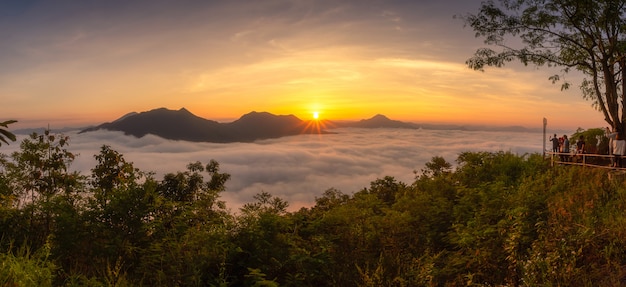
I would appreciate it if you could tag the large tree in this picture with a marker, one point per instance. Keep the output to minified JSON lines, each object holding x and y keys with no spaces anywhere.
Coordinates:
{"x":585,"y":35}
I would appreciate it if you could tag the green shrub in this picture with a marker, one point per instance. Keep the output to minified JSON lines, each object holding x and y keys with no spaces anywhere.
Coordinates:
{"x":26,"y":269}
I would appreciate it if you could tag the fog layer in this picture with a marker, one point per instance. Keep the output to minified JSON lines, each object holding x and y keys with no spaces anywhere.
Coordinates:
{"x":300,"y":168}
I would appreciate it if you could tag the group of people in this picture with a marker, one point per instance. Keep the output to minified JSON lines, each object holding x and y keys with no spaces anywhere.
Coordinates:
{"x":616,"y":148}
{"x":562,"y":145}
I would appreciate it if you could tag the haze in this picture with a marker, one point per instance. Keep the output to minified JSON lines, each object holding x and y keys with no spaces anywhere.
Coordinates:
{"x":73,"y":63}
{"x":300,"y":168}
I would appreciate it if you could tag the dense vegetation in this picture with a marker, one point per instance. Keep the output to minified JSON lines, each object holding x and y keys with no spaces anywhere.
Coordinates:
{"x":495,"y":219}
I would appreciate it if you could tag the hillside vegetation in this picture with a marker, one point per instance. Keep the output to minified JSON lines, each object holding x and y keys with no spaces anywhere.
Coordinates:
{"x":496,"y":219}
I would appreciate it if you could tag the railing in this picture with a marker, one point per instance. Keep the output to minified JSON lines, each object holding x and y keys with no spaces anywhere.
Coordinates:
{"x":585,"y":159}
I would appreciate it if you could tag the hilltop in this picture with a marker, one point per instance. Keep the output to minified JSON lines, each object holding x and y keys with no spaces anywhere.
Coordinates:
{"x":378,"y":121}
{"x":183,"y":125}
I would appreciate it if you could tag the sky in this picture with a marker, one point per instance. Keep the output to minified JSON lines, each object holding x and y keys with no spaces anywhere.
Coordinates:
{"x":73,"y":63}
{"x":299,"y":168}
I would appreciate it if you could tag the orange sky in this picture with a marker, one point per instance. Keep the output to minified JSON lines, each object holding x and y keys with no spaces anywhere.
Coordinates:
{"x":74,"y":63}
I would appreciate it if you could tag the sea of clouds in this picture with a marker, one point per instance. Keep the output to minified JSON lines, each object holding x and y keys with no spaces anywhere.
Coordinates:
{"x":300,"y":168}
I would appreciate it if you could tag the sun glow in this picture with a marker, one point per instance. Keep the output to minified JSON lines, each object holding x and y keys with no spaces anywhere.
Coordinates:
{"x":316,"y":125}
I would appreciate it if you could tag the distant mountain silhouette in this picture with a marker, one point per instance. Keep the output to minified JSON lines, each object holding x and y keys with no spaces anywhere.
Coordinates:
{"x":381,"y":121}
{"x":183,"y":125}
{"x":127,"y":115}
{"x":262,"y":125}
{"x":378,"y":121}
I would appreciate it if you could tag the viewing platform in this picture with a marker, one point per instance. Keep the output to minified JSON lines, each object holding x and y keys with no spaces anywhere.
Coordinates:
{"x":585,"y":160}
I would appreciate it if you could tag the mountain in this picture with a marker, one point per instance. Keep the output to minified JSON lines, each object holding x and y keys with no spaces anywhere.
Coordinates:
{"x":169,"y":124}
{"x":127,"y":115}
{"x":183,"y":125}
{"x":257,"y":125}
{"x":378,"y":121}
{"x":381,"y":121}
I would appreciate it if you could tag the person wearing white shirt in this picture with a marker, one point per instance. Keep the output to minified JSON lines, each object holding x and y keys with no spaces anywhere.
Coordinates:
{"x":619,"y":149}
{"x":611,"y":136}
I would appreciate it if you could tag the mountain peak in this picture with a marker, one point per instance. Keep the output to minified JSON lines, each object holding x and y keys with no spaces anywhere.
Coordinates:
{"x":126,"y":116}
{"x":255,"y":114}
{"x":185,"y":112}
{"x":380,"y":117}
{"x":183,"y":125}
{"x":265,"y":116}
{"x":380,"y":121}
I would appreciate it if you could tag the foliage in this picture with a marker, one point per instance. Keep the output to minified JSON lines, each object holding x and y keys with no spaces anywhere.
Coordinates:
{"x":26,"y":268}
{"x":4,"y":134}
{"x":38,"y":181}
{"x":495,"y":219}
{"x":586,"y":36}
{"x":595,"y":140}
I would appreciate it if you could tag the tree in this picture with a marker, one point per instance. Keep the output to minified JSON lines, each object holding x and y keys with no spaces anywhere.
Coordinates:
{"x":587,"y":36}
{"x":38,"y":179}
{"x":4,"y":134}
{"x":112,"y":173}
{"x":188,"y":230}
{"x":436,"y":167}
{"x":262,"y":237}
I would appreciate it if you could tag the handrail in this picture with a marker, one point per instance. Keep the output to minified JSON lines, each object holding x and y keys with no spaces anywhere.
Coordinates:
{"x":555,"y":158}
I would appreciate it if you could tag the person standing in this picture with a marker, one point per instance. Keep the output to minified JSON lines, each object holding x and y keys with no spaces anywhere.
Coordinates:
{"x":580,"y":145}
{"x":611,"y":136}
{"x":555,"y":143}
{"x":619,"y":149}
{"x":565,"y":150}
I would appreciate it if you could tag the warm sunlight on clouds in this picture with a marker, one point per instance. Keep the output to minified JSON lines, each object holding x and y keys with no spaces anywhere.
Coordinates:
{"x":77,"y":63}
{"x":356,"y":88}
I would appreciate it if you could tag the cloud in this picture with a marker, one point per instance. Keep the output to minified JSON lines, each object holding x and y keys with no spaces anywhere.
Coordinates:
{"x":94,"y":60}
{"x":300,"y":168}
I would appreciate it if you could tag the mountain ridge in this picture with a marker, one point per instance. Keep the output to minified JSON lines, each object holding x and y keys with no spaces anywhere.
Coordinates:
{"x":183,"y":125}
{"x":253,"y":126}
{"x":378,"y":121}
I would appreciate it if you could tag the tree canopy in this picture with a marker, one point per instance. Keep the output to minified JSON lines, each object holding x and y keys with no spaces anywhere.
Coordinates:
{"x":583,"y":35}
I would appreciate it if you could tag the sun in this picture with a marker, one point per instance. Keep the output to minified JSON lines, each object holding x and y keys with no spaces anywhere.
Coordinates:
{"x":315,"y":125}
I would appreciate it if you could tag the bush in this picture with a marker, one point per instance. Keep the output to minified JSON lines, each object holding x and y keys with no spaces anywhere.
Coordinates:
{"x":26,"y":269}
